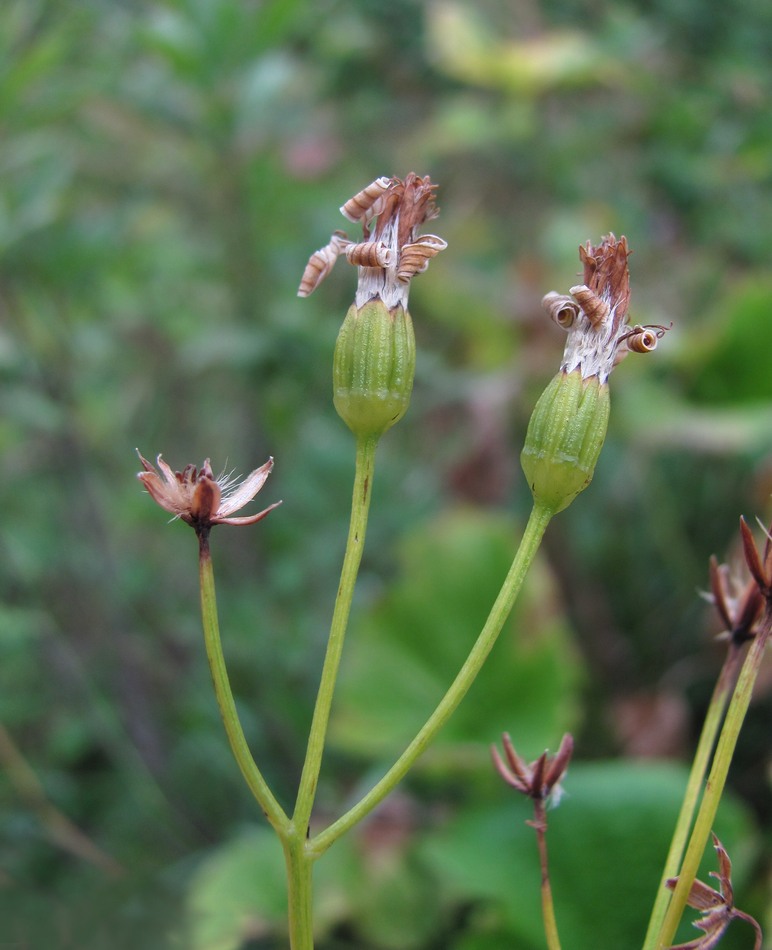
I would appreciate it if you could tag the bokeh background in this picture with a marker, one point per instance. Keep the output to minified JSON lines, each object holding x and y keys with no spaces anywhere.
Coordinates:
{"x":166,"y":168}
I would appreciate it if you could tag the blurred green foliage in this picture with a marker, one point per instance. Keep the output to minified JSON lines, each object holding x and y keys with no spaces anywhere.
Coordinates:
{"x":167,"y":166}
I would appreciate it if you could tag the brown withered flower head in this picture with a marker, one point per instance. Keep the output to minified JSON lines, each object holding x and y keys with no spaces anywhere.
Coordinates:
{"x":198,"y":498}
{"x":717,"y":906}
{"x":539,"y":780}
{"x":738,"y":602}
{"x":391,"y":251}
{"x":595,"y":313}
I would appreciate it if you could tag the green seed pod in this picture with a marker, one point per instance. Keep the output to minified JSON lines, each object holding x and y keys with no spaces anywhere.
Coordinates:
{"x":564,"y":439}
{"x":373,"y":367}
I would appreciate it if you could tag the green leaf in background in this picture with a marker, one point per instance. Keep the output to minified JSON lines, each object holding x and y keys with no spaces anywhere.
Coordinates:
{"x":405,"y":650}
{"x":738,"y":336}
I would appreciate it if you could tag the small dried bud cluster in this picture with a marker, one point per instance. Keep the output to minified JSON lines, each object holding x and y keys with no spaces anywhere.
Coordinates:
{"x":717,"y":906}
{"x":539,"y":780}
{"x":391,"y":252}
{"x":198,"y":498}
{"x":738,"y":603}
{"x":595,"y":313}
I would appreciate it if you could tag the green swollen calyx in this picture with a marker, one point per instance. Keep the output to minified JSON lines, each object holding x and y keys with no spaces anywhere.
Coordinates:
{"x":373,"y":368}
{"x":564,"y":439}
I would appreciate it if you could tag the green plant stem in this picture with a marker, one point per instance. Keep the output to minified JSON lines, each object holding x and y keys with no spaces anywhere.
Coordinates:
{"x":547,"y":904}
{"x":299,"y":857}
{"x":230,"y":717}
{"x":505,"y":600}
{"x":718,"y":703}
{"x":738,"y":706}
{"x":299,"y":864}
{"x":360,"y":505}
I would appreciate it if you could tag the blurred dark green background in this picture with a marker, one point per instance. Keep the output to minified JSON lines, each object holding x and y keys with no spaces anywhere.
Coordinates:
{"x":166,"y":168}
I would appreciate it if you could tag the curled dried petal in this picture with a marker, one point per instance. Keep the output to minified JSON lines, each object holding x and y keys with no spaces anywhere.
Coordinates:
{"x":561,"y":308}
{"x":364,"y":203}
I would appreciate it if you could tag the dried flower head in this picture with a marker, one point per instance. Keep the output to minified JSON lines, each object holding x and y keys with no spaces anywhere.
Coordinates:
{"x":717,"y":906}
{"x":738,"y":602}
{"x":200,"y":499}
{"x":539,"y":780}
{"x":595,"y":315}
{"x":391,"y":252}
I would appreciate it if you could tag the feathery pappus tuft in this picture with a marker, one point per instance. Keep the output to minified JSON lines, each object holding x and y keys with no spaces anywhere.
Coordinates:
{"x":364,"y":203}
{"x":321,"y":263}
{"x":414,"y":258}
{"x":370,"y":254}
{"x":595,"y":309}
{"x":561,"y":308}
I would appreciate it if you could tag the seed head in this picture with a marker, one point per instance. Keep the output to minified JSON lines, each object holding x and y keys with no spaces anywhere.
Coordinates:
{"x":198,"y":498}
{"x":391,"y":251}
{"x":595,"y":313}
{"x":539,"y":780}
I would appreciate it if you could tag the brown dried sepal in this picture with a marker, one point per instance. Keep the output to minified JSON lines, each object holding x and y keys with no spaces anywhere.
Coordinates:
{"x":717,"y":906}
{"x":760,"y":565}
{"x":606,"y":273}
{"x":739,"y":606}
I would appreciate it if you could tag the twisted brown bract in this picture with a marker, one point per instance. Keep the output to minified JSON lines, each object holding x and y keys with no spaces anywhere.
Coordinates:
{"x":370,"y":254}
{"x":595,"y":309}
{"x":365,"y":203}
{"x":321,"y":263}
{"x":414,"y":258}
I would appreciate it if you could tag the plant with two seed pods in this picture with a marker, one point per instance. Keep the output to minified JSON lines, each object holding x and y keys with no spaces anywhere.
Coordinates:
{"x":373,"y":370}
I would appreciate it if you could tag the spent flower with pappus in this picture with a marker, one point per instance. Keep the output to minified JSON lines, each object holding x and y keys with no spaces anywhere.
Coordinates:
{"x":568,"y":425}
{"x":198,"y":498}
{"x":374,"y":361}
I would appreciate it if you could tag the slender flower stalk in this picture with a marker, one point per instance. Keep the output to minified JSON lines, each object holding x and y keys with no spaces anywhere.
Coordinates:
{"x":222,"y":688}
{"x":739,"y":605}
{"x":360,"y":506}
{"x":760,"y":567}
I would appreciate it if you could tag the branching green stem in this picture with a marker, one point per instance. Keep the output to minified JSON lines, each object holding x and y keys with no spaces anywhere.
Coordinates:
{"x":718,"y":703}
{"x":714,"y":787}
{"x":505,"y":600}
{"x":230,"y":717}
